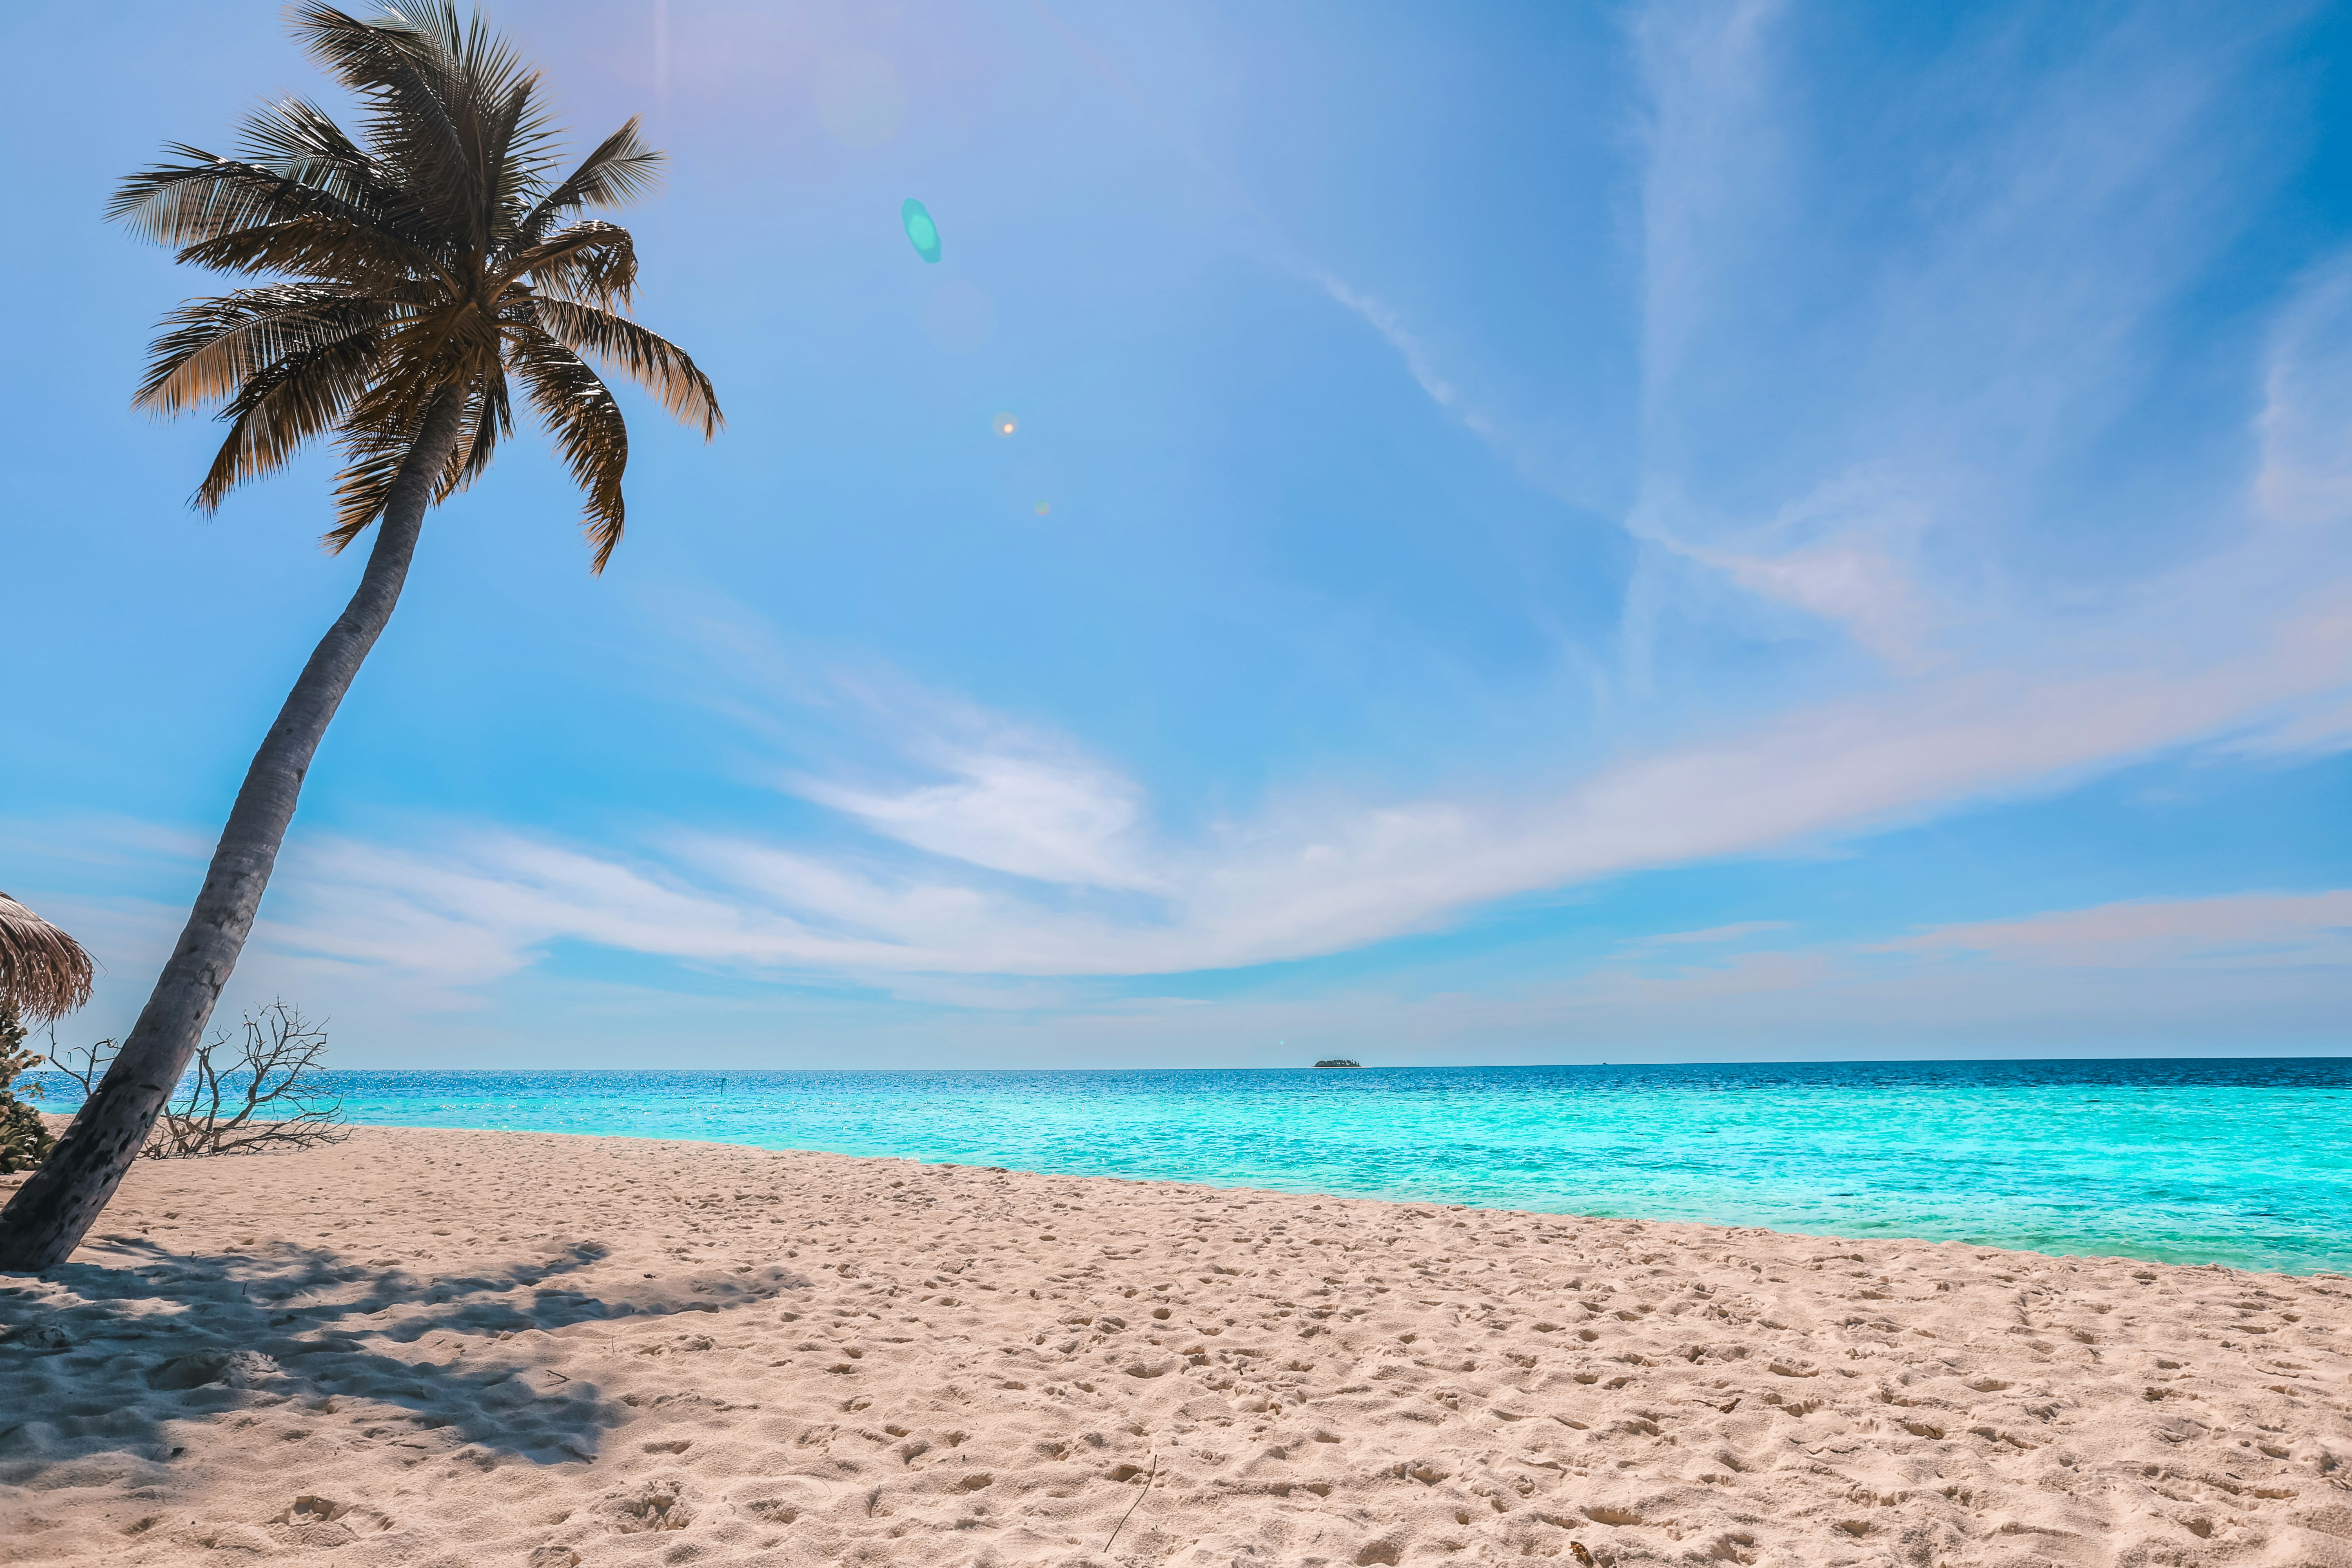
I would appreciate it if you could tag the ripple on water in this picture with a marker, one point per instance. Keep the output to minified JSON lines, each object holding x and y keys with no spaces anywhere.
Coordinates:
{"x":2247,"y":1163}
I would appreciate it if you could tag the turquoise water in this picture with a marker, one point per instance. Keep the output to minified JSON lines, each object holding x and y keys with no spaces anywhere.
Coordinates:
{"x":2243,"y":1162}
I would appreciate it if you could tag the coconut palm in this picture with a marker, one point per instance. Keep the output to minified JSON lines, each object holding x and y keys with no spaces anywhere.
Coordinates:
{"x":413,"y":279}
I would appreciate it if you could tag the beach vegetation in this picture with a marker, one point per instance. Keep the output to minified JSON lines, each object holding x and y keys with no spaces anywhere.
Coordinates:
{"x":25,"y":1138}
{"x":409,"y":284}
{"x":263,"y":1093}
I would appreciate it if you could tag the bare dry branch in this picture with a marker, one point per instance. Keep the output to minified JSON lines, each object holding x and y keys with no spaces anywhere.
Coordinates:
{"x":266,"y":1099}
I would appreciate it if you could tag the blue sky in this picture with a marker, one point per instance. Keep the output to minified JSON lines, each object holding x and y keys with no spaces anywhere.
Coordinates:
{"x":1539,"y":532}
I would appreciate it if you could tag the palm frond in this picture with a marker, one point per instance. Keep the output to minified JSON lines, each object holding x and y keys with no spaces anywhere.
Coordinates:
{"x":382,"y":426}
{"x":221,"y":345}
{"x":296,"y":139}
{"x":452,"y":106}
{"x":275,"y":414}
{"x":433,"y":253}
{"x":515,"y":141}
{"x":488,"y":417}
{"x":592,"y":260}
{"x":403,"y":67}
{"x":378,"y":384}
{"x":450,"y":349}
{"x":653,"y":362}
{"x":363,"y":488}
{"x":578,"y":409}
{"x":43,"y":972}
{"x":187,"y":204}
{"x":322,"y":247}
{"x":618,"y":171}
{"x":518,"y":160}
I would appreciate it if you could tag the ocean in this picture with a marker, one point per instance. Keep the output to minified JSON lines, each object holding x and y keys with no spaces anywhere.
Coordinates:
{"x":2246,"y":1162}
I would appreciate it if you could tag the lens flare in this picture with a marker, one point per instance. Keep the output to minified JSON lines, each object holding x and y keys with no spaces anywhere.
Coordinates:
{"x":1042,"y":509}
{"x":921,"y":232}
{"x":1004,"y":424}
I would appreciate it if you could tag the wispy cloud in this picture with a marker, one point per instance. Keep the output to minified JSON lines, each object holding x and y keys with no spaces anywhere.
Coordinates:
{"x":1739,"y":931}
{"x":1036,"y":860}
{"x":2304,"y":481}
{"x":1715,"y":157}
{"x":1867,"y":434}
{"x":2238,"y":930}
{"x":994,"y":847}
{"x":1850,"y":466}
{"x":1014,"y":800}
{"x":1420,"y":359}
{"x":376,"y":937}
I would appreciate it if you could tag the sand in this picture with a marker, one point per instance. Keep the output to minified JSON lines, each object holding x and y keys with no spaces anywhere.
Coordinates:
{"x":478,"y":1348}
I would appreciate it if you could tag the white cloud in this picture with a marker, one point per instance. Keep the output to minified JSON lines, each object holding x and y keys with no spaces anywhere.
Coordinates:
{"x":1049,"y":814}
{"x":2315,"y":732}
{"x":1002,"y":855}
{"x":1713,"y":155}
{"x":1420,"y":359}
{"x":1861,"y":432}
{"x":377,"y":938}
{"x":2305,"y":478}
{"x":1855,"y":585}
{"x":1839,"y":553}
{"x":1044,"y":869}
{"x":1392,"y":329}
{"x":2241,"y":930}
{"x":2238,"y":971}
{"x":1739,"y":931}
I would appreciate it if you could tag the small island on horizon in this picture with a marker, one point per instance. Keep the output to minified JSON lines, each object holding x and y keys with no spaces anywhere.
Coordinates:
{"x":1338,"y":1062}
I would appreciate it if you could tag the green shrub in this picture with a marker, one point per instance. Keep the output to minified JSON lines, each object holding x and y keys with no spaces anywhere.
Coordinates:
{"x":25,"y":1140}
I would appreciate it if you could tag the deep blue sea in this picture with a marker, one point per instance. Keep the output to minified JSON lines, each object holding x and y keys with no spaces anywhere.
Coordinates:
{"x":2247,"y":1163}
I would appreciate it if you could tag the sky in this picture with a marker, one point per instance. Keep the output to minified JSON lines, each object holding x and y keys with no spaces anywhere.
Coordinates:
{"x":1549,"y":532}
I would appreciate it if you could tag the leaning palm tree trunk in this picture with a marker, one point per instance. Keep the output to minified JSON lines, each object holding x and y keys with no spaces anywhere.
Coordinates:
{"x":417,"y":276}
{"x":47,"y":1218}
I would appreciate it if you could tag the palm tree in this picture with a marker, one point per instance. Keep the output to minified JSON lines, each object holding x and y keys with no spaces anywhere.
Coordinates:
{"x":413,"y":273}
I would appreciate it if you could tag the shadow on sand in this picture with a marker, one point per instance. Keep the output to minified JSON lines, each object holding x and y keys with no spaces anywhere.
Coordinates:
{"x":96,"y":1359}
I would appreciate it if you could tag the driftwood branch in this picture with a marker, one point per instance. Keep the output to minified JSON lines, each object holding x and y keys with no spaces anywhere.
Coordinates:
{"x":262,"y":1094}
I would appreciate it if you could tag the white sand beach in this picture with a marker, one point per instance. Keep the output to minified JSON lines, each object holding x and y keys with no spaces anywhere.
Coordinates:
{"x":481,"y":1348}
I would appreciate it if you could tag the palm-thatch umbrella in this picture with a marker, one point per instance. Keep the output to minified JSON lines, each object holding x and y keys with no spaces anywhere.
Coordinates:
{"x":44,"y":972}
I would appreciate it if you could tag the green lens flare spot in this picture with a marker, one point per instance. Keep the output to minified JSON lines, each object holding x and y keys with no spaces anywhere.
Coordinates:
{"x":921,"y":232}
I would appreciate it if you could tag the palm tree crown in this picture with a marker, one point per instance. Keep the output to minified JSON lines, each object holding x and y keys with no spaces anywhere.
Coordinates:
{"x":435,"y":254}
{"x":410,"y":274}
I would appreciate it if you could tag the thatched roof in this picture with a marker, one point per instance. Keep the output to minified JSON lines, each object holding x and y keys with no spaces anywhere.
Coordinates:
{"x":42,"y":969}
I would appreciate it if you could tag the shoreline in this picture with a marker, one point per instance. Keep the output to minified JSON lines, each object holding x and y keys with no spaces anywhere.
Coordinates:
{"x":2250,"y":1172}
{"x":1902,"y":1219}
{"x":429,"y":1345}
{"x":2240,"y":1163}
{"x":58,"y":1124}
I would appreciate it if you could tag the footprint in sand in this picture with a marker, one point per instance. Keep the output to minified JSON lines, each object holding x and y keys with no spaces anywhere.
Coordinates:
{"x":785,"y":1499}
{"x":662,"y":1503}
{"x":320,"y":1522}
